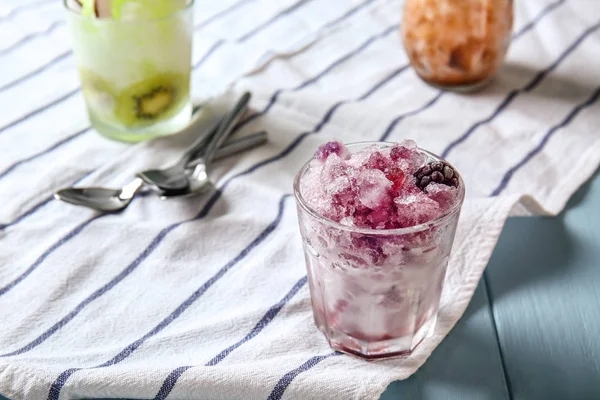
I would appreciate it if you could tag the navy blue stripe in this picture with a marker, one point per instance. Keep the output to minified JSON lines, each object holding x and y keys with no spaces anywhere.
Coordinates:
{"x":275,"y":18}
{"x":171,"y":380}
{"x":39,"y":205}
{"x":527,"y":88}
{"x":287,"y":379}
{"x":509,"y":174}
{"x":348,"y":14}
{"x":330,"y":24}
{"x":221,"y":14}
{"x":27,"y":213}
{"x":329,"y":114}
{"x":542,"y":74}
{"x":43,"y":152}
{"x":217,"y":194}
{"x":210,"y":51}
{"x":392,"y":125}
{"x":336,"y":21}
{"x":35,"y":72}
{"x":541,"y":15}
{"x":28,"y":38}
{"x":40,"y":259}
{"x":127,"y":351}
{"x":348,"y":56}
{"x":507,"y":100}
{"x":40,"y":110}
{"x":264,"y":321}
{"x":54,"y":393}
{"x":327,"y":70}
{"x":221,"y":42}
{"x":17,"y":10}
{"x":384,"y":82}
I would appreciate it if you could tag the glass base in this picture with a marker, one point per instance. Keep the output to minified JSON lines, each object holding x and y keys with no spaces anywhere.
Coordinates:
{"x":163,"y":128}
{"x":382,"y":349}
{"x":461,"y":88}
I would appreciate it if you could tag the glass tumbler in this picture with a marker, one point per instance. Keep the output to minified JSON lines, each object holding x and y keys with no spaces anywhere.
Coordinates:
{"x":457,"y":44}
{"x":375,"y":293}
{"x":135,"y":73}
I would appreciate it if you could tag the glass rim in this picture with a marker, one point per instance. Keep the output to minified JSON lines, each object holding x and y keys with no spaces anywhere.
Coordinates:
{"x":188,"y":6}
{"x":369,"y":231}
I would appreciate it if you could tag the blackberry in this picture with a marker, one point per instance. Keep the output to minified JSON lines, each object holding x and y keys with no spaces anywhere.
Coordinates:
{"x":438,"y":172}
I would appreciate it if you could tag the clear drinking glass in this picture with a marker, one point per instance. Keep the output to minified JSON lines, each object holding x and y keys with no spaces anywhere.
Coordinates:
{"x":457,"y":44}
{"x":135,"y":73}
{"x":375,"y":293}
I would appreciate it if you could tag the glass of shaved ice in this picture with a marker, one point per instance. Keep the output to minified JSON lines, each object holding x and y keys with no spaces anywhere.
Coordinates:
{"x":134,"y":63}
{"x":377,"y":222}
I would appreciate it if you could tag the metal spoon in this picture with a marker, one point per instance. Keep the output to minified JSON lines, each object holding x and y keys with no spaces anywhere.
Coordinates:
{"x":198,"y":181}
{"x":107,"y":199}
{"x":174,"y":177}
{"x":99,"y":198}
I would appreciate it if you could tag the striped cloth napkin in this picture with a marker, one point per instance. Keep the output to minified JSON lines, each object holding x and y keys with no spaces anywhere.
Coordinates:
{"x":206,"y":298}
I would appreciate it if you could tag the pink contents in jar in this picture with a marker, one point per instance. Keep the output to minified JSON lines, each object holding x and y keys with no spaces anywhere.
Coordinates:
{"x":454,"y":43}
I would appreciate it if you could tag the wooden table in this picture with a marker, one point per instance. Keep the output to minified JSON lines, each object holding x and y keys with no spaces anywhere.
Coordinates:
{"x":532,"y":329}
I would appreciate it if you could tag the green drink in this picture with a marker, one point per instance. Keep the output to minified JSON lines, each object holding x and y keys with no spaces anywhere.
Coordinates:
{"x":134,"y":61}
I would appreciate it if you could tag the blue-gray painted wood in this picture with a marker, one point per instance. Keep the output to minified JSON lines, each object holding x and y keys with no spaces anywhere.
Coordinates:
{"x":544,"y":279}
{"x":465,"y":366}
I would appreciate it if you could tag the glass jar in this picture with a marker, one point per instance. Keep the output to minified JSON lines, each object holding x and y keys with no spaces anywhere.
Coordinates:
{"x":457,"y":44}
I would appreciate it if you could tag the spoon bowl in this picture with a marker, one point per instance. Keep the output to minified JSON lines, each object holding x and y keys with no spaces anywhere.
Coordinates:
{"x":175,"y":178}
{"x":198,"y":183}
{"x":107,"y":199}
{"x":99,"y":198}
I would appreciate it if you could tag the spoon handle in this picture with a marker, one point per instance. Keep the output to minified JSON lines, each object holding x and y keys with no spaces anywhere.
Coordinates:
{"x":199,"y":143}
{"x":225,"y":128}
{"x":234,"y":146}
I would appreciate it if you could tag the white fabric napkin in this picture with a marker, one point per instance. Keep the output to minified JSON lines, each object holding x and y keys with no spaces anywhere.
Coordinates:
{"x":206,"y":298}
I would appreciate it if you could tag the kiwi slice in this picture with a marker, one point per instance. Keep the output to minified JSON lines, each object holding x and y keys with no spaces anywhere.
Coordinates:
{"x":152,"y":99}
